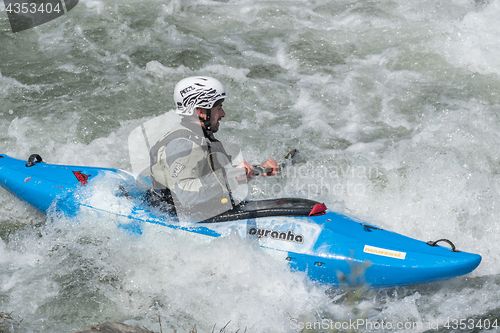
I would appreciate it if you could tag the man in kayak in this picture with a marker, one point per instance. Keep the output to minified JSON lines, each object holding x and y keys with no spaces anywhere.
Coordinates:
{"x":189,"y":167}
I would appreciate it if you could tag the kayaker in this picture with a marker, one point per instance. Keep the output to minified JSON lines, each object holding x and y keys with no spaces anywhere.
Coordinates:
{"x":192,"y":170}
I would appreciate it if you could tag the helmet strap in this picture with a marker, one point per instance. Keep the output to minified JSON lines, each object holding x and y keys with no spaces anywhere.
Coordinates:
{"x":207,"y":128}
{"x":208,"y":124}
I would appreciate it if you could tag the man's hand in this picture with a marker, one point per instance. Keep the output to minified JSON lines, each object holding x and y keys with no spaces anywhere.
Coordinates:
{"x":271,"y":164}
{"x":248,"y":169}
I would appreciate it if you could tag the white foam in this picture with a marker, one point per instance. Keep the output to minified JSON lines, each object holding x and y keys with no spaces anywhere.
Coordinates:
{"x":470,"y":42}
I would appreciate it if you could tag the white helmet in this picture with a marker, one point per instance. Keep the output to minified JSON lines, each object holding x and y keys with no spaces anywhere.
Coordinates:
{"x":197,"y":92}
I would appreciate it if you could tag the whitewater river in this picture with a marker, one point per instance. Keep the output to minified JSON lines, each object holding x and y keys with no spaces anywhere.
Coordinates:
{"x":394,"y":106}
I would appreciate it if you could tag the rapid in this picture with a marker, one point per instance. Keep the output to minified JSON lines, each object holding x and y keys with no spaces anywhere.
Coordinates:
{"x":394,"y":107}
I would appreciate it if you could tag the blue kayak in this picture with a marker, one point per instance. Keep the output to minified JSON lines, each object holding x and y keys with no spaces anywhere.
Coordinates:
{"x":329,"y":247}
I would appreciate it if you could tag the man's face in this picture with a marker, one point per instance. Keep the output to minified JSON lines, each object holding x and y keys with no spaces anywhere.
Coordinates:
{"x":217,"y":113}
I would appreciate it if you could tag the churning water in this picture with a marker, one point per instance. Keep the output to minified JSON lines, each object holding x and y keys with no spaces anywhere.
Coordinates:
{"x":394,"y":106}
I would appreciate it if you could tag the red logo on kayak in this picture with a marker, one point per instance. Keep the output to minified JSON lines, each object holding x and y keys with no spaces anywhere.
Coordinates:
{"x":81,"y":177}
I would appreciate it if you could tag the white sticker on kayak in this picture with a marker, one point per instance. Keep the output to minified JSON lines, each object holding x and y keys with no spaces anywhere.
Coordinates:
{"x":384,"y":252}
